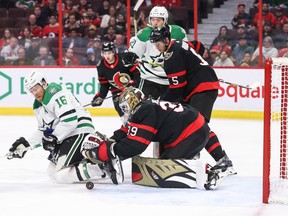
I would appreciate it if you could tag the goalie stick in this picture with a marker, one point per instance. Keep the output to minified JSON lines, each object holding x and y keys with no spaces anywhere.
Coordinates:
{"x":252,"y":86}
{"x":9,"y":155}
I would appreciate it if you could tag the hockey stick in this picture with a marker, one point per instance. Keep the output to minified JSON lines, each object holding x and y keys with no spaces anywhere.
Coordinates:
{"x":151,"y":63}
{"x":9,"y":155}
{"x":136,"y":7}
{"x":103,"y":99}
{"x":252,"y":86}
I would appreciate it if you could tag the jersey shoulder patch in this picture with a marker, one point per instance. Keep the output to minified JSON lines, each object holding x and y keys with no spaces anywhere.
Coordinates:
{"x":144,"y":34}
{"x":51,"y":90}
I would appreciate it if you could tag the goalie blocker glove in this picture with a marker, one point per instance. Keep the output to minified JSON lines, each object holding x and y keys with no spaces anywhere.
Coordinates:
{"x":97,"y":100}
{"x":18,"y":149}
{"x":129,"y":58}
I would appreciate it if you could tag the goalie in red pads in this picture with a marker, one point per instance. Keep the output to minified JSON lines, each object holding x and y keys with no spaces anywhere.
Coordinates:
{"x":180,"y":129}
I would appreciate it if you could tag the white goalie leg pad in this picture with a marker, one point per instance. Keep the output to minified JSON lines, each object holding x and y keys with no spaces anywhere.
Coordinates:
{"x":72,"y":174}
{"x":168,"y":173}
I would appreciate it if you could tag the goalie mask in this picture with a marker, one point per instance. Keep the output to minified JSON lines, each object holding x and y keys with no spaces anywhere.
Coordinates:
{"x":129,"y":99}
{"x":32,"y":79}
{"x":159,"y":11}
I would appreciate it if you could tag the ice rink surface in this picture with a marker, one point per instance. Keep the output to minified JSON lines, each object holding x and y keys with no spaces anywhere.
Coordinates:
{"x":25,"y":188}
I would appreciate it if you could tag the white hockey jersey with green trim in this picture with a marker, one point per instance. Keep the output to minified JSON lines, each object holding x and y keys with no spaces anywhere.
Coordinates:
{"x":61,"y":112}
{"x":147,"y":51}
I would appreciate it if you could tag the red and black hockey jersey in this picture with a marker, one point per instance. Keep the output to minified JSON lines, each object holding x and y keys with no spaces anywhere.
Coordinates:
{"x":188,"y":72}
{"x":161,"y":121}
{"x":114,"y":76}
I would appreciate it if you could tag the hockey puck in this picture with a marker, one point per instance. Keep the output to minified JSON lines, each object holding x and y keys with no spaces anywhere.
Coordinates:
{"x":89,"y":185}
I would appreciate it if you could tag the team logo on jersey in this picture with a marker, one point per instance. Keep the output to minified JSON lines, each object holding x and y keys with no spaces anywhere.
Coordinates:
{"x":121,"y":80}
{"x":158,"y":59}
{"x":168,"y":55}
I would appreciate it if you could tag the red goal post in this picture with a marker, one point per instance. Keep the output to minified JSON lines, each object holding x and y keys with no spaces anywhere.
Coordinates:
{"x":275,"y":158}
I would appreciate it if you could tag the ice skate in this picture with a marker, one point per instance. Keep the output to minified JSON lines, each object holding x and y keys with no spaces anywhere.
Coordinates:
{"x":214,"y":178}
{"x":224,"y":165}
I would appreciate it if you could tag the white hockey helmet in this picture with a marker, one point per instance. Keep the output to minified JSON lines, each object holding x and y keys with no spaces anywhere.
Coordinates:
{"x":159,"y":11}
{"x":32,"y":79}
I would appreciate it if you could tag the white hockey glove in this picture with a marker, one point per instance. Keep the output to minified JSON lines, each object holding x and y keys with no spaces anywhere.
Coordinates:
{"x":18,"y":149}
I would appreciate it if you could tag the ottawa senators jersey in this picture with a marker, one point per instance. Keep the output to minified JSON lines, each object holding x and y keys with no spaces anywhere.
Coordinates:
{"x":188,"y":72}
{"x":160,"y":121}
{"x":116,"y":76}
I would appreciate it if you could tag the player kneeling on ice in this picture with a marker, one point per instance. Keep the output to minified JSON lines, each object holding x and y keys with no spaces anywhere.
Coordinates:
{"x":63,"y":124}
{"x":181,"y":131}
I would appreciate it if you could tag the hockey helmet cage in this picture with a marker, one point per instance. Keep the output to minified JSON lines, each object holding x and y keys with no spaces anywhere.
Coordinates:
{"x":198,"y":47}
{"x":129,"y":99}
{"x":160,"y":34}
{"x":108,"y":46}
{"x":159,"y":11}
{"x":32,"y":79}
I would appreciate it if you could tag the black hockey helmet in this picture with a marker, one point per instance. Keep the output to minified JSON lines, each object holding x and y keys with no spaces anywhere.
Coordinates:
{"x":160,"y":34}
{"x":108,"y":46}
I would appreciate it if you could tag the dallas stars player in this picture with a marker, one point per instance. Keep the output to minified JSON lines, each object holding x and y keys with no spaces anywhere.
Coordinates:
{"x":153,"y":81}
{"x":62,"y":126}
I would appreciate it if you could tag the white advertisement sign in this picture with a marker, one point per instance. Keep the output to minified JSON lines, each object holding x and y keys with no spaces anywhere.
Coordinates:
{"x":83,"y":83}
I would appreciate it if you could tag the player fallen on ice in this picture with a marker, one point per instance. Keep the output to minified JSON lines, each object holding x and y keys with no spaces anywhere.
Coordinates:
{"x":180,"y":130}
{"x":63,"y":124}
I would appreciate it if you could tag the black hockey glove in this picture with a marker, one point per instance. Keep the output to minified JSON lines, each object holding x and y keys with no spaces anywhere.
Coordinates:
{"x":95,"y":148}
{"x":18,"y":149}
{"x":129,"y":59}
{"x":97,"y":100}
{"x":49,"y":141}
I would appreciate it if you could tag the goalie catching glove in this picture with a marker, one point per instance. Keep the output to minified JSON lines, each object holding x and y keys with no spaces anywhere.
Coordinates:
{"x":18,"y":149}
{"x":97,"y":100}
{"x":95,"y":148}
{"x":129,"y":59}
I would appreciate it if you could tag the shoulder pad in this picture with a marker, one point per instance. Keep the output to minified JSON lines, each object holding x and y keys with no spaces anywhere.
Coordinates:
{"x":177,"y":32}
{"x":144,"y":34}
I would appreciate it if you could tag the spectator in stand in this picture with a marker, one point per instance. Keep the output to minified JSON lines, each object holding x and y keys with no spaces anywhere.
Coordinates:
{"x":41,"y":19}
{"x":167,"y":3}
{"x":112,"y":22}
{"x":106,"y":17}
{"x":121,"y":7}
{"x":240,"y":49}
{"x":9,"y":52}
{"x":50,"y":8}
{"x":111,"y":34}
{"x":73,"y":39}
{"x":247,"y":60}
{"x":91,"y":34}
{"x":213,"y":56}
{"x":70,"y":24}
{"x":83,"y":6}
{"x":33,"y":50}
{"x":69,"y":59}
{"x":89,"y":59}
{"x":6,"y":37}
{"x":25,"y":37}
{"x":120,"y":23}
{"x":241,"y":17}
{"x":104,"y":8}
{"x":44,"y":58}
{"x":36,"y":31}
{"x":52,"y":29}
{"x":120,"y":43}
{"x":22,"y":60}
{"x":222,"y":45}
{"x":68,"y":5}
{"x":266,"y":16}
{"x":279,"y":18}
{"x":268,"y":30}
{"x":97,"y":45}
{"x":142,"y":20}
{"x":284,"y":51}
{"x":281,"y":38}
{"x":268,"y":51}
{"x":223,"y":31}
{"x":94,"y":19}
{"x":85,"y":22}
{"x":223,"y":60}
{"x":207,"y":57}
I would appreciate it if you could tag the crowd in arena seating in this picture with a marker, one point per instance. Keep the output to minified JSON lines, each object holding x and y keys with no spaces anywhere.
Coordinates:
{"x":29,"y":32}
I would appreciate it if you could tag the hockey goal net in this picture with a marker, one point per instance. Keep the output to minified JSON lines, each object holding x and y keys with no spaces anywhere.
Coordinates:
{"x":275,"y":166}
